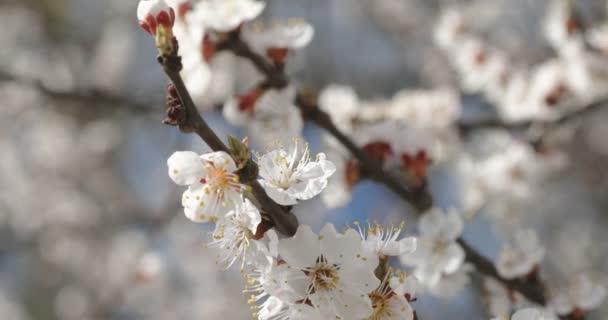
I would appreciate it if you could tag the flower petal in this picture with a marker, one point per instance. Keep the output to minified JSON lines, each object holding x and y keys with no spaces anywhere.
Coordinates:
{"x":185,"y":167}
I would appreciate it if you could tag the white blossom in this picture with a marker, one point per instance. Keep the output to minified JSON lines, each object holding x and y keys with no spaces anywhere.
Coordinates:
{"x":154,"y":13}
{"x":497,"y":298}
{"x":277,"y":39}
{"x":531,"y":314}
{"x":329,"y":270}
{"x":234,"y":235}
{"x":560,"y":26}
{"x":270,"y":115}
{"x":391,"y":300}
{"x":341,"y":103}
{"x":449,"y":29}
{"x":451,"y":285}
{"x":435,"y":109}
{"x":581,"y":295}
{"x":338,"y":192}
{"x":213,"y":186}
{"x":383,"y":242}
{"x":437,"y":252}
{"x":227,"y":15}
{"x":519,"y":258}
{"x":291,"y":175}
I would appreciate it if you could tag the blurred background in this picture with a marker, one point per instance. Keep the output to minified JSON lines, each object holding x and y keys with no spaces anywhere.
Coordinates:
{"x":92,"y":228}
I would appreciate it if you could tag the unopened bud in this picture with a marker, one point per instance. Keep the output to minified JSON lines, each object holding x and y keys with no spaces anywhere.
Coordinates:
{"x":157,"y":18}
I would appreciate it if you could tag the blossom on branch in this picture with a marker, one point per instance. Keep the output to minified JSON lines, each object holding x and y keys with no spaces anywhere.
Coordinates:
{"x":579,"y":296}
{"x":383,"y":242}
{"x":522,"y":256}
{"x":277,"y":40}
{"x":329,"y":271}
{"x":213,"y":186}
{"x":268,"y":114}
{"x":391,"y":300}
{"x":289,"y":175}
{"x":437,"y":253}
{"x":531,"y":314}
{"x":153,"y":14}
{"x":234,"y":235}
{"x":227,"y":15}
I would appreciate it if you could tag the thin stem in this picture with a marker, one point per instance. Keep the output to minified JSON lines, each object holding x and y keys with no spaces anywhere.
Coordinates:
{"x":534,"y":293}
{"x":419,"y":200}
{"x":284,"y":222}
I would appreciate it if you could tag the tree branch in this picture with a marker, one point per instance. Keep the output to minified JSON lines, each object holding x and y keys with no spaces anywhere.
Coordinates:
{"x":420,"y":200}
{"x":88,"y":97}
{"x":548,"y":127}
{"x":285,"y":222}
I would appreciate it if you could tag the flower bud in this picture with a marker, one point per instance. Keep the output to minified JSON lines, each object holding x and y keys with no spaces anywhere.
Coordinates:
{"x":157,"y":18}
{"x":152,"y":13}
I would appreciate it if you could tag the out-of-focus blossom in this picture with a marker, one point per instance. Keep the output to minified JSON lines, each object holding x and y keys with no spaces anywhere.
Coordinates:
{"x":341,"y":103}
{"x":436,"y":109}
{"x":149,"y":266}
{"x":278,"y":39}
{"x":530,"y":314}
{"x":213,"y":186}
{"x":451,"y":285}
{"x":522,"y":256}
{"x":226,"y":15}
{"x":291,"y":175}
{"x":437,"y":253}
{"x":449,"y":29}
{"x":497,"y":298}
{"x":597,"y":37}
{"x":339,"y":187}
{"x":561,"y":26}
{"x":580,"y":296}
{"x":270,"y":115}
{"x":154,"y":13}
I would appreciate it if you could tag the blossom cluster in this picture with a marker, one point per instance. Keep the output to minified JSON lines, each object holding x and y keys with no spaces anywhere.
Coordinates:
{"x":333,"y":275}
{"x":571,"y":80}
{"x":308,"y":276}
{"x":407,"y":134}
{"x":347,"y":274}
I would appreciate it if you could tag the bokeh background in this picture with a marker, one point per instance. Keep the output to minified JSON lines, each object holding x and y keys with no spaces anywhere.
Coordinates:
{"x":91,"y":226}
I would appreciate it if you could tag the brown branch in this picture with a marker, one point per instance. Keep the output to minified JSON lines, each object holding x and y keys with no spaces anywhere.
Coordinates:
{"x":284,"y":222}
{"x":420,"y":200}
{"x":548,"y":127}
{"x":276,"y":78}
{"x":87,"y":97}
{"x":534,"y":293}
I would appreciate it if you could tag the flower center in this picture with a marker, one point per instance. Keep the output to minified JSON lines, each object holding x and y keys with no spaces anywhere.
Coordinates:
{"x":380,"y":304}
{"x":323,"y":276}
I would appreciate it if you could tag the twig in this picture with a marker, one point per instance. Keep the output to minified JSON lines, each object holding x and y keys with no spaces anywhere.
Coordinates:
{"x":548,"y":127}
{"x":88,"y":97}
{"x":419,"y":200}
{"x":534,"y":293}
{"x":284,"y":222}
{"x":276,"y":78}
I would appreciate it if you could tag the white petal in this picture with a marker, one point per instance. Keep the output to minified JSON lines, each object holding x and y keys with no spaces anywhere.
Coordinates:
{"x":301,"y":250}
{"x":279,"y":195}
{"x":185,"y":167}
{"x":401,"y":247}
{"x":220,"y":159}
{"x":532,"y":314}
{"x":152,"y":7}
{"x":452,"y":259}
